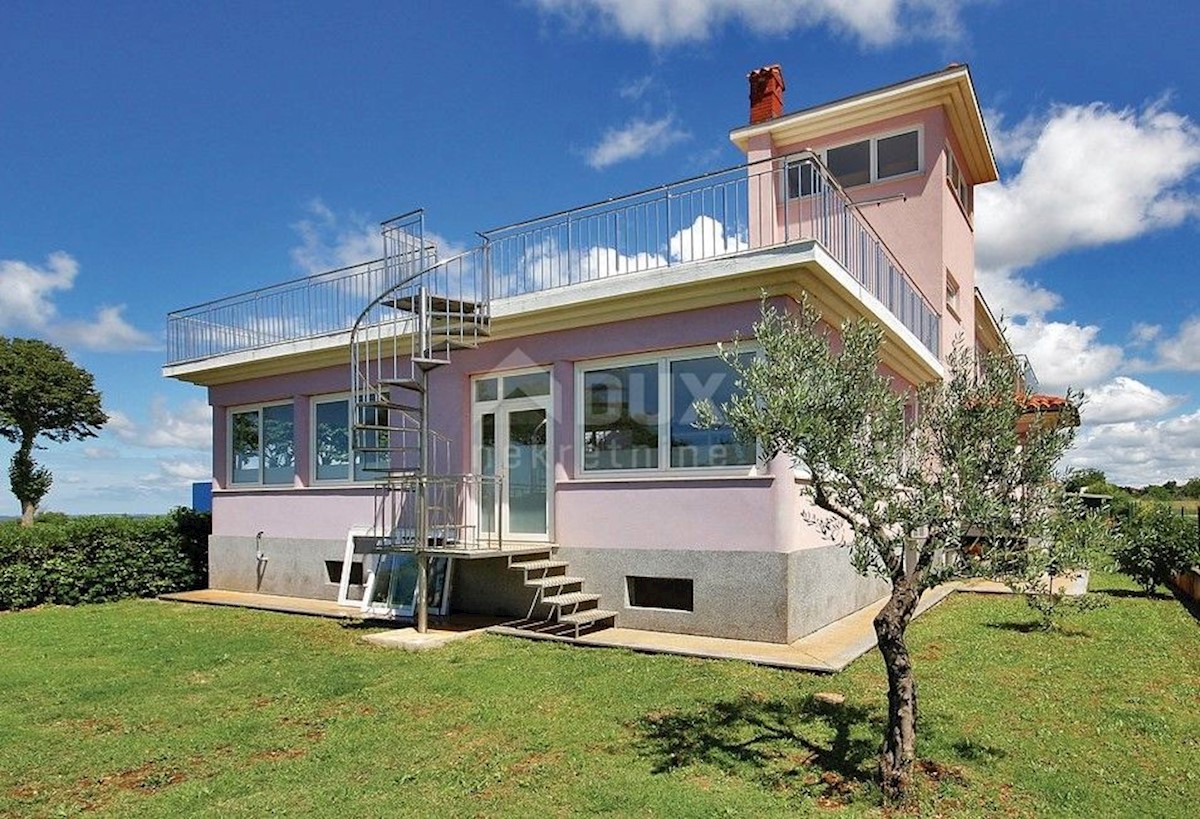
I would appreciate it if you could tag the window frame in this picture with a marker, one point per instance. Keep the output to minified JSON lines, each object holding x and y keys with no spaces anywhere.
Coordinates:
{"x":664,"y":470}
{"x":954,"y":169}
{"x":351,"y":479}
{"x":258,"y":408}
{"x":873,"y":160}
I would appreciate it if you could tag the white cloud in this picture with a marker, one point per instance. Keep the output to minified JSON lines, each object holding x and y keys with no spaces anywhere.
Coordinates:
{"x":27,"y":294}
{"x":329,"y":241}
{"x":1065,"y":354}
{"x":704,"y":239}
{"x":1138,"y":453}
{"x":1126,"y":399}
{"x":1181,"y":351}
{"x":1142,"y":333}
{"x":637,"y":138}
{"x":1091,"y":175}
{"x":100,"y":453}
{"x":185,"y":471}
{"x":109,"y":332}
{"x":636,"y":89}
{"x":672,"y":22}
{"x":188,"y":427}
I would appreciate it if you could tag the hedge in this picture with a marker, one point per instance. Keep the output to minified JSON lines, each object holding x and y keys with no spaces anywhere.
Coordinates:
{"x":95,"y":559}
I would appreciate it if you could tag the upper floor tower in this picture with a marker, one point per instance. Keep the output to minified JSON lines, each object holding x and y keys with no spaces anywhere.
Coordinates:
{"x":907,"y":157}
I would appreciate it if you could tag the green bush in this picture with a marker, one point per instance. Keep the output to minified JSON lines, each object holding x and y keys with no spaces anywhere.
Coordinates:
{"x":1155,"y":543}
{"x":99,"y":558}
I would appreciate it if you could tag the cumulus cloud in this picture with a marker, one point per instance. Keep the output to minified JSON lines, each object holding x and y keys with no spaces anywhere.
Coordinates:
{"x":703,"y":239}
{"x":637,"y":138}
{"x":662,"y":23}
{"x":1136,"y":453}
{"x":1065,"y":354}
{"x":100,"y":453}
{"x":186,"y":427}
{"x":27,"y":305}
{"x":1180,"y":351}
{"x":1090,"y":175}
{"x":1126,"y":399}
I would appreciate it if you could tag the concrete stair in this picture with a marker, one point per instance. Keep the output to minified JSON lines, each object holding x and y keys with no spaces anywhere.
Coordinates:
{"x":572,"y":610}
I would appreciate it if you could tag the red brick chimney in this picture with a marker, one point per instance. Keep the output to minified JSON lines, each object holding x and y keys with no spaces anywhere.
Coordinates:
{"x":766,"y":93}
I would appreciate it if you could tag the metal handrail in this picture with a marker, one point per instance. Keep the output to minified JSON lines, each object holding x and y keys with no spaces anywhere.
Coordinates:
{"x":742,"y":208}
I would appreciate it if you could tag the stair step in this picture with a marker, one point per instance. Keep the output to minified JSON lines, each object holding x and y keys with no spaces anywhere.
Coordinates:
{"x":570,"y":599}
{"x":553,"y":581}
{"x":453,"y":342}
{"x":537,"y":565}
{"x":437,"y":304}
{"x":580,"y":618}
{"x":388,"y":405}
{"x":405,"y":383}
{"x":428,"y":363}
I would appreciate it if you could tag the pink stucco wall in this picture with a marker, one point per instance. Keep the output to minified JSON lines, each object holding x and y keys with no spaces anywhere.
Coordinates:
{"x":654,"y":512}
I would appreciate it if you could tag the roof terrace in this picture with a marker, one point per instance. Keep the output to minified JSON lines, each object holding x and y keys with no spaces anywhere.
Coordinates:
{"x":733,"y":212}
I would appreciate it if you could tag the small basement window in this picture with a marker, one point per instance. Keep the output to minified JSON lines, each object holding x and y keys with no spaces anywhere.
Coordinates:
{"x":333,"y":570}
{"x":673,"y":593}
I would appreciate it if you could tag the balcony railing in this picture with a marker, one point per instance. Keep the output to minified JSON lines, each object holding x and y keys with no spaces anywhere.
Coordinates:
{"x":739,"y":210}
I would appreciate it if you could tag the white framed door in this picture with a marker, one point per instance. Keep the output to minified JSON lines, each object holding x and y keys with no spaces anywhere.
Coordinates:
{"x":512,"y":438}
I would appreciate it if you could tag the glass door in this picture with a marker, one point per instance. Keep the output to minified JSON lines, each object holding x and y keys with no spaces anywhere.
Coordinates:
{"x":512,"y":440}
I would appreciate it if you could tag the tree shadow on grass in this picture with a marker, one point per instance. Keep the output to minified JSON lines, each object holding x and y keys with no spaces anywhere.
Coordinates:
{"x":802,"y":743}
{"x":1035,"y":627}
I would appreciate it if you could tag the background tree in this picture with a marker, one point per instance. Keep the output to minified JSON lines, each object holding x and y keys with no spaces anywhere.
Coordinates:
{"x":900,"y":489}
{"x":42,"y":394}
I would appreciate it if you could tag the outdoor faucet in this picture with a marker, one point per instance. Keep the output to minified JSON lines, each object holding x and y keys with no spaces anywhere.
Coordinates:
{"x":259,"y":554}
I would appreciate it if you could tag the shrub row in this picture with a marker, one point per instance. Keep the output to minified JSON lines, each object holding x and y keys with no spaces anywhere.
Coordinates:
{"x":100,"y":558}
{"x":1154,"y":544}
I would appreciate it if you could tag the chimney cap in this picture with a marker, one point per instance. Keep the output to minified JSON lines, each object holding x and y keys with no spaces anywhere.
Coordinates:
{"x":766,"y":71}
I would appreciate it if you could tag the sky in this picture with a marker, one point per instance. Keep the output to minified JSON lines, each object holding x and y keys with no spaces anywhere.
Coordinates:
{"x":158,"y":155}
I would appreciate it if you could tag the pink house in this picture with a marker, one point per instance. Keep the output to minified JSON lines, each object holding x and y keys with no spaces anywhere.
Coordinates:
{"x":511,"y":431}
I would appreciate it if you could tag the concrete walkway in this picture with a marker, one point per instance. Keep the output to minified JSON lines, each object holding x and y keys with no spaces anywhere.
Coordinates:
{"x":826,"y":650}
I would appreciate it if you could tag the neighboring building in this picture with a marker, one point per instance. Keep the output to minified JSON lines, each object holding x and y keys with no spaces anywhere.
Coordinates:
{"x":556,"y":367}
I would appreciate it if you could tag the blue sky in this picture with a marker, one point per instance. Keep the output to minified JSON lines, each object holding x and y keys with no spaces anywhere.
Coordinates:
{"x":157,"y":155}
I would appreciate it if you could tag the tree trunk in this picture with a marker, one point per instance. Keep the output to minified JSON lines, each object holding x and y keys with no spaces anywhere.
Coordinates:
{"x":900,"y":739}
{"x":27,"y":512}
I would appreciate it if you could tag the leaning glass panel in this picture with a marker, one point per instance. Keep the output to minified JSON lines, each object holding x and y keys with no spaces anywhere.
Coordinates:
{"x":331,"y":440}
{"x":620,"y":418}
{"x":897,"y":155}
{"x":704,"y":379}
{"x":851,"y":164}
{"x":244,"y":451}
{"x":279,"y":447}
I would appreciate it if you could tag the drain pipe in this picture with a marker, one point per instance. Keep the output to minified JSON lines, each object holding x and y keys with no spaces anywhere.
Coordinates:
{"x":259,"y":555}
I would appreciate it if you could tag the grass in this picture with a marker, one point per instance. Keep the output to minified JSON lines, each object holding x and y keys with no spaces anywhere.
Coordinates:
{"x":143,"y":708}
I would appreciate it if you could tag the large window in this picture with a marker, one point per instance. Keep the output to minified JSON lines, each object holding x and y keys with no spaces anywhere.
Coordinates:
{"x":860,"y":163}
{"x":641,"y":416}
{"x":331,"y":442}
{"x":262,"y":445}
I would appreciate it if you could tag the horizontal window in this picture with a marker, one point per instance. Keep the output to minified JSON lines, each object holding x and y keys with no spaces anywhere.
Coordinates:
{"x":858,"y":163}
{"x":262,"y":445}
{"x":642,"y":416}
{"x":660,"y":593}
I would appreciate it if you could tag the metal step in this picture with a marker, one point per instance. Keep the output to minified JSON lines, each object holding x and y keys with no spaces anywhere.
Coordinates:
{"x":553,"y":581}
{"x":429,"y":363}
{"x":453,"y":342}
{"x":439,"y":304}
{"x":583,"y":618}
{"x":403,"y":383}
{"x":539,"y":565}
{"x":387,"y":405}
{"x":571,"y":599}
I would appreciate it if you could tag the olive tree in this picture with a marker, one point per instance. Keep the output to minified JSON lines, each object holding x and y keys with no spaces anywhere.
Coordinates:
{"x":901,"y":477}
{"x":42,"y":394}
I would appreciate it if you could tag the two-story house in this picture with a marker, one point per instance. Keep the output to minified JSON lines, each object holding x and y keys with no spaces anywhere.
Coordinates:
{"x":516,"y":425}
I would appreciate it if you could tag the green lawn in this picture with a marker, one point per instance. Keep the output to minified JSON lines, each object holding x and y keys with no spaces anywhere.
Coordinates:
{"x":145,"y":708}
